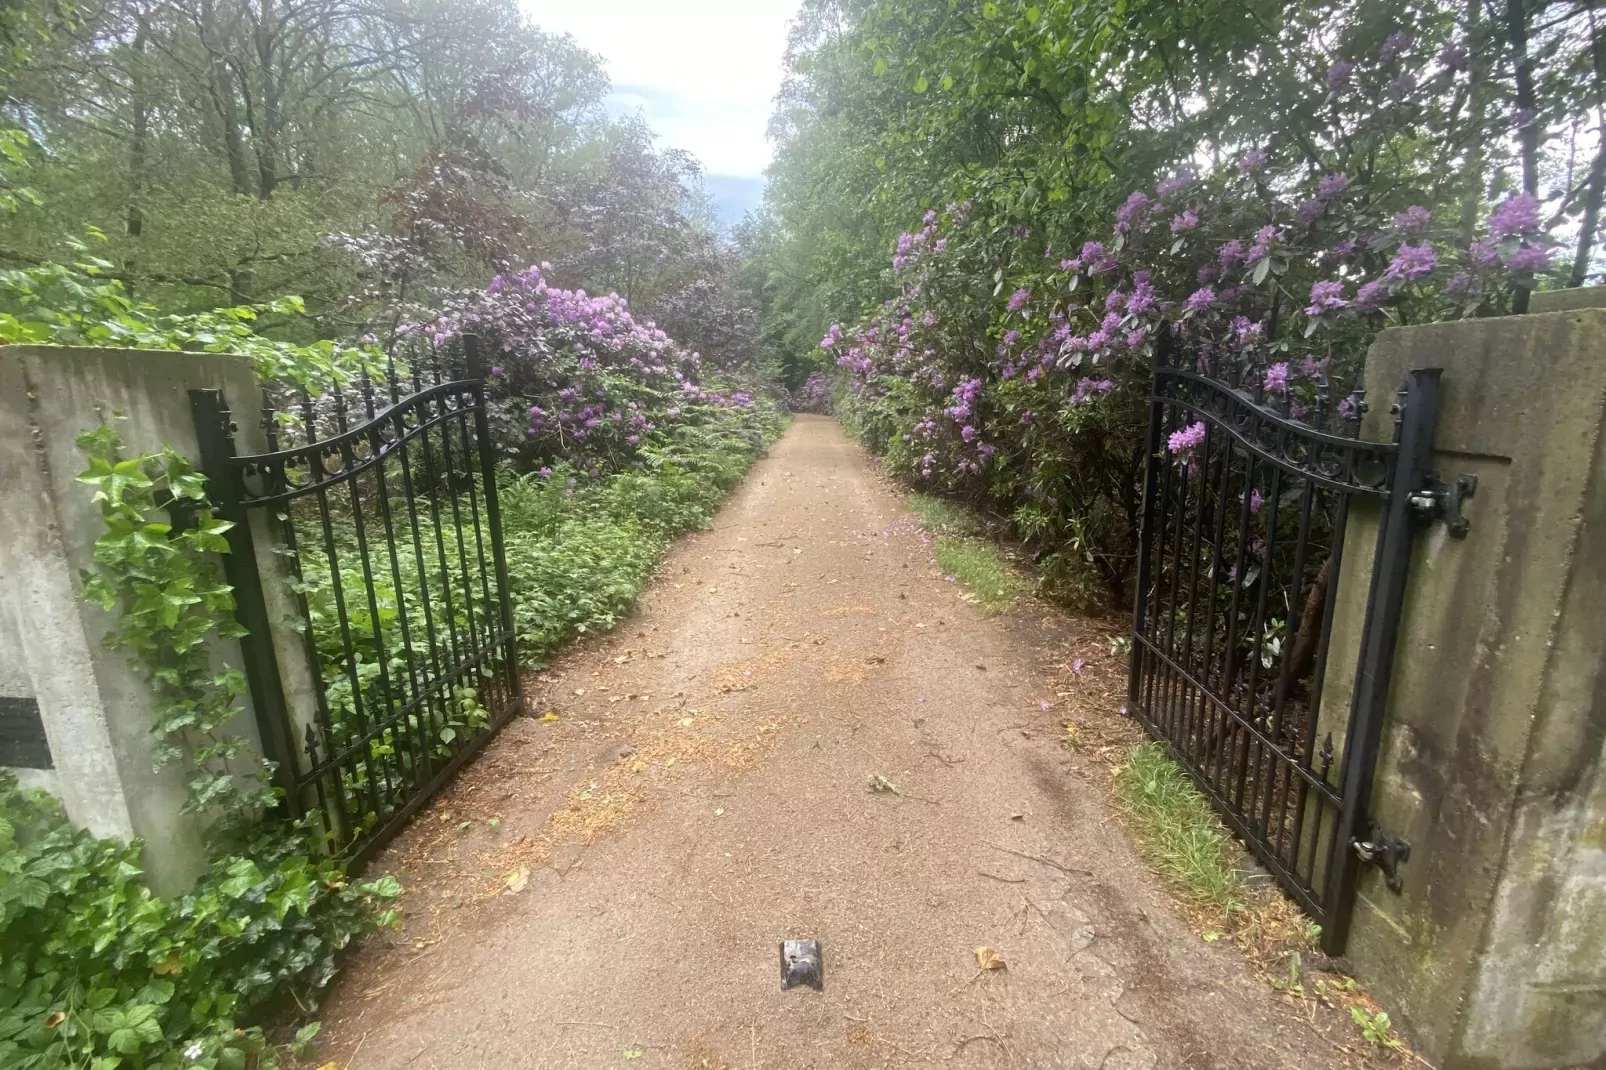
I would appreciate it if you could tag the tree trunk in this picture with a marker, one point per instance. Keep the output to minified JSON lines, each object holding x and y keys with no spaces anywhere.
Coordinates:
{"x":220,"y":84}
{"x":134,"y":218}
{"x":267,"y":135}
{"x":1527,"y":113}
{"x":1596,"y":191}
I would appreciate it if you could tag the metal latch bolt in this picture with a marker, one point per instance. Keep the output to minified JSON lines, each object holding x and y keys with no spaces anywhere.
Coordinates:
{"x":1386,"y":853}
{"x":1442,"y":501}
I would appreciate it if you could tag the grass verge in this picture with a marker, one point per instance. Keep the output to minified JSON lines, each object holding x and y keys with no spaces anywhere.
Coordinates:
{"x":943,"y":516}
{"x":976,"y":562}
{"x":981,"y":567}
{"x":1178,"y":831}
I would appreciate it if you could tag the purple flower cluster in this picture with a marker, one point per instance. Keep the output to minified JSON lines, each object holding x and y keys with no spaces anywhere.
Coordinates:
{"x":584,"y":378}
{"x":1182,"y":443}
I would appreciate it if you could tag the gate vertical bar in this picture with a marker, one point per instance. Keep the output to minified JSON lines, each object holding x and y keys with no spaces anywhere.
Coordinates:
{"x":1416,"y":421}
{"x":1146,"y":518}
{"x":214,"y":432}
{"x":493,"y":517}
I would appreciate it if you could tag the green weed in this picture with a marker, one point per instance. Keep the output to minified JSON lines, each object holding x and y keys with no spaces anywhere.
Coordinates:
{"x":979,"y":566}
{"x":1376,"y":1028}
{"x":943,"y":516}
{"x":1178,"y":829}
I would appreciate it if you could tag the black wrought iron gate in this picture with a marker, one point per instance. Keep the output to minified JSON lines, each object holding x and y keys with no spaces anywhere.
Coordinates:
{"x":1245,"y":509}
{"x":382,"y":503}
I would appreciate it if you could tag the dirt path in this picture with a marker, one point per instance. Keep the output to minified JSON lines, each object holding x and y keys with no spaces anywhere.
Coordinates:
{"x":608,"y":888}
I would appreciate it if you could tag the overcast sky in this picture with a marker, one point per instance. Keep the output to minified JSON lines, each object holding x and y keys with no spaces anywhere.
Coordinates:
{"x":703,"y":72}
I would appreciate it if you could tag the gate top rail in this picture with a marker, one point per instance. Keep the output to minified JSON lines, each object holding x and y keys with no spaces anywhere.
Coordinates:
{"x":1337,"y":462}
{"x":274,"y":465}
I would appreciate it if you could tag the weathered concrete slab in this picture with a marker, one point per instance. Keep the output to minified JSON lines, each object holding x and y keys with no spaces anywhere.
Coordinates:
{"x":96,"y":711}
{"x":1495,"y":955}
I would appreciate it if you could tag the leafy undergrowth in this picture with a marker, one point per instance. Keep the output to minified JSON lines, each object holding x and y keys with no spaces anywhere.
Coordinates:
{"x":579,"y":551}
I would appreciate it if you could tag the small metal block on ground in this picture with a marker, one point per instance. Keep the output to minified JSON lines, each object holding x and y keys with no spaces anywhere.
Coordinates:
{"x":801,"y":964}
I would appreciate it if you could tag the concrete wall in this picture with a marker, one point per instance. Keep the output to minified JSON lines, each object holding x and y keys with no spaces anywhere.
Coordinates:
{"x":1495,"y":954}
{"x":96,"y":710}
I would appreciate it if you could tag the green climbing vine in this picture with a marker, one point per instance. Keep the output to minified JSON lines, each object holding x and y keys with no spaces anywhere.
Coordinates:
{"x":161,"y":581}
{"x":97,"y":972}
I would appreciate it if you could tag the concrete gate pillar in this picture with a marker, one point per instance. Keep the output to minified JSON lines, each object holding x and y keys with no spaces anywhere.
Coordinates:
{"x":1493,"y":763}
{"x":74,"y":718}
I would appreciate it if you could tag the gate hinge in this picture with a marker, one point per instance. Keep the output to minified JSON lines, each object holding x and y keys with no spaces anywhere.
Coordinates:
{"x":1442,"y":501}
{"x":1386,"y":853}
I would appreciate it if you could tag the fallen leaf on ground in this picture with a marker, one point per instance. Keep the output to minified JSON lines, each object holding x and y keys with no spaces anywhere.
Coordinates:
{"x":549,"y":716}
{"x":988,"y":959}
{"x":518,"y":879}
{"x":882,"y":784}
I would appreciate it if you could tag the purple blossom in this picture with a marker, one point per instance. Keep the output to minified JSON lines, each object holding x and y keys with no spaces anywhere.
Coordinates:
{"x":1187,"y":440}
{"x":1231,"y":253}
{"x":1179,"y":181}
{"x":1310,"y":210}
{"x":1143,"y":298}
{"x":1486,"y":252}
{"x":1530,"y":258}
{"x":1413,"y":220}
{"x":1338,"y":75}
{"x":1276,"y":381}
{"x":1454,"y":55}
{"x":1517,"y":216}
{"x":1264,"y":238}
{"x":1326,"y":296}
{"x":1130,"y":213}
{"x":1201,"y":299}
{"x":1185,"y":221}
{"x":1088,"y":387}
{"x":1412,"y":262}
{"x":1246,"y":331}
{"x":1394,"y":46}
{"x":1461,"y":284}
{"x":1018,"y":299}
{"x":1348,"y":409}
{"x":1331,"y":186}
{"x":1371,"y":297}
{"x":1400,"y":86}
{"x":1253,"y":161}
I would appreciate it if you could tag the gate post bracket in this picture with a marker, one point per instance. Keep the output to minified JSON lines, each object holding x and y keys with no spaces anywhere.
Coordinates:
{"x":1442,"y":501}
{"x":1386,"y":853}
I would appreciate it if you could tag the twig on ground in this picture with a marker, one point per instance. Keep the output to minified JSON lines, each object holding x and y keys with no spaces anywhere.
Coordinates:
{"x":1039,"y":859}
{"x":996,"y":877}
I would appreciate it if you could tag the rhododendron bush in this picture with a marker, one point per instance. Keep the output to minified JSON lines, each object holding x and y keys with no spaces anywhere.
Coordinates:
{"x":1297,"y":182}
{"x":576,"y":379}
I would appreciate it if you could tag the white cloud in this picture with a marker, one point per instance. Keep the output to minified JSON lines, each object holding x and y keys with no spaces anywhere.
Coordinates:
{"x":703,"y":72}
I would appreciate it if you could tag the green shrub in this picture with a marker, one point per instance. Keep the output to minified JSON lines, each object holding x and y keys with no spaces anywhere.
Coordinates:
{"x":98,"y":972}
{"x":580,"y":550}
